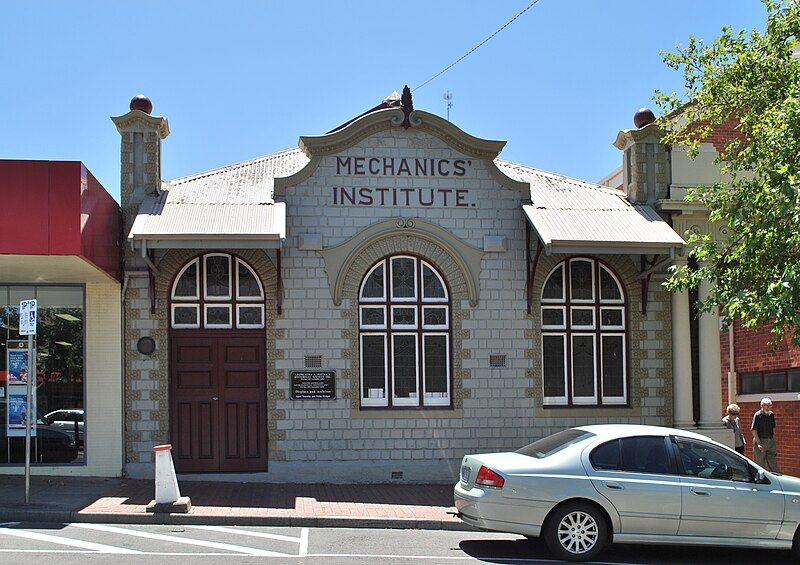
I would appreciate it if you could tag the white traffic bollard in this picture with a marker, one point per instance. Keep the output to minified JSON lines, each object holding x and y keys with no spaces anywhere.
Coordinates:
{"x":168,"y":494}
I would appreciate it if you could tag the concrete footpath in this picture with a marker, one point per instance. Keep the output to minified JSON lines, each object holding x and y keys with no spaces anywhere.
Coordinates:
{"x":123,"y":501}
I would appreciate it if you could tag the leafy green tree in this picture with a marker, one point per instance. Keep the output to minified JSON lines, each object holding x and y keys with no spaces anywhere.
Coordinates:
{"x":752,"y":79}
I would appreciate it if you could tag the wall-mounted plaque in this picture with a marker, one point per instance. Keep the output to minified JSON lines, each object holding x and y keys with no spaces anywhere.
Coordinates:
{"x":313,"y":385}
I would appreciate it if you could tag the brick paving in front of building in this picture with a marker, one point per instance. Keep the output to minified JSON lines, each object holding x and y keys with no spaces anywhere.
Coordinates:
{"x":119,"y":498}
{"x":421,"y":502}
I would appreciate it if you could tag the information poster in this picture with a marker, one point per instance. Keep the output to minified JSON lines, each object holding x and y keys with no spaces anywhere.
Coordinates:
{"x":18,"y":411}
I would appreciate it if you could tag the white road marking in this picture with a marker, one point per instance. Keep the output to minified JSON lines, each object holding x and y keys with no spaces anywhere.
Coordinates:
{"x":186,"y":541}
{"x":265,"y":535}
{"x":65,"y":541}
{"x":303,"y":542}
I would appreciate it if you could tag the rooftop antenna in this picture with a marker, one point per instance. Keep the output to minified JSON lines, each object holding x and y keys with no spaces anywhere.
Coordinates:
{"x":448,"y":96}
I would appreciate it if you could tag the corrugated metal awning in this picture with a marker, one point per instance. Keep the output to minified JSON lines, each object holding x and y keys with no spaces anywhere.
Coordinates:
{"x":228,"y":207}
{"x":629,"y":230}
{"x":574,"y":216}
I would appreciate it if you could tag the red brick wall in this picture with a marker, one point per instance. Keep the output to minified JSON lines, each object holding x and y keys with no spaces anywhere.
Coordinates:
{"x":752,"y":352}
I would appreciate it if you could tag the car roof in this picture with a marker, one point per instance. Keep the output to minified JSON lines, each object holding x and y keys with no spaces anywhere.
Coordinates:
{"x":610,"y":431}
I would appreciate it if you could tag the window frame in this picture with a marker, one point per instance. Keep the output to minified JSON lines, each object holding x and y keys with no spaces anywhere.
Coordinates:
{"x":201,"y":302}
{"x":597,"y":329}
{"x":389,"y":302}
{"x":762,"y":378}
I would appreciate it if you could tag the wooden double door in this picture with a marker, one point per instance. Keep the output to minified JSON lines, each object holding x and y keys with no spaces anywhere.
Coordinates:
{"x":218,"y":401}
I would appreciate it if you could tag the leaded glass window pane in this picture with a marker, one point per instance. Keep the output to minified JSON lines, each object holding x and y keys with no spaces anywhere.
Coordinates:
{"x":431,"y":285}
{"x":404,"y":317}
{"x":553,"y":365}
{"x":553,"y":317}
{"x":185,"y":316}
{"x":554,"y":287}
{"x":435,"y":317}
{"x":613,"y":365}
{"x":580,"y":280}
{"x":248,"y":285}
{"x":373,"y":316}
{"x":435,"y":365}
{"x":373,"y":365}
{"x":403,"y":278}
{"x":218,"y":276}
{"x":404,"y":358}
{"x":250,"y":315}
{"x":373,"y":286}
{"x":583,"y":365}
{"x":186,"y":287}
{"x":582,"y":317}
{"x":611,"y":317}
{"x":609,"y":290}
{"x":218,"y":315}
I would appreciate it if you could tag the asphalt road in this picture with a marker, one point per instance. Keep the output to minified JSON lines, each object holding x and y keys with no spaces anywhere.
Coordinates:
{"x":79,"y":544}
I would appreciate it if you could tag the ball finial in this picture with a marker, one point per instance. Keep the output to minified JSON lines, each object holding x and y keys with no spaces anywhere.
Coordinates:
{"x":141,"y":102}
{"x":643,"y":117}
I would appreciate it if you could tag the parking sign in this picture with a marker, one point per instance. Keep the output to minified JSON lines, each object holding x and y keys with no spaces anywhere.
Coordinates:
{"x":27,"y":317}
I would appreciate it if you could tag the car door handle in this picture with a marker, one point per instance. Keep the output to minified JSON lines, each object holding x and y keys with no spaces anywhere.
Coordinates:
{"x":613,"y":486}
{"x":700,"y":492}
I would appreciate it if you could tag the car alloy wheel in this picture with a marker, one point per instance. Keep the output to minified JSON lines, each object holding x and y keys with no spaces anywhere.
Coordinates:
{"x":578,"y":532}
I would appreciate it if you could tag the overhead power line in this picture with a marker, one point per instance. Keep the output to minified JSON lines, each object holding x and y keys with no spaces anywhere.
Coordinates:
{"x":478,"y":46}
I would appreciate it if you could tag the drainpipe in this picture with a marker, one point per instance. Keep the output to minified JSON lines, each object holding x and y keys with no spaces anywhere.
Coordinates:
{"x":732,"y":384}
{"x":123,"y":376}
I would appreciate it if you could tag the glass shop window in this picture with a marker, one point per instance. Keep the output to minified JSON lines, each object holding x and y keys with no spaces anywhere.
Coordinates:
{"x":58,"y":391}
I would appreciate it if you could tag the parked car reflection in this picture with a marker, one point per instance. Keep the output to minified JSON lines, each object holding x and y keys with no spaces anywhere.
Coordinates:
{"x":50,"y":445}
{"x":69,"y":421}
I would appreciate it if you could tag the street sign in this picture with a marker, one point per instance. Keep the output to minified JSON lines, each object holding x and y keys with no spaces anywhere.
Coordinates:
{"x":27,"y":317}
{"x":23,"y":404}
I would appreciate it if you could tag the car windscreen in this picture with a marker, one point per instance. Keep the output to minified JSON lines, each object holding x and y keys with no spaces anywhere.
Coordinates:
{"x":553,"y":444}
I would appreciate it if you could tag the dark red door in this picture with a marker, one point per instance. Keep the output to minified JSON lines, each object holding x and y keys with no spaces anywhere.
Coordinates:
{"x":218,"y":412}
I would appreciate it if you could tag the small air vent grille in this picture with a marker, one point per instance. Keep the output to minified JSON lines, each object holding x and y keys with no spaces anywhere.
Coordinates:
{"x":397,"y":475}
{"x":497,"y":361}
{"x":313,"y":361}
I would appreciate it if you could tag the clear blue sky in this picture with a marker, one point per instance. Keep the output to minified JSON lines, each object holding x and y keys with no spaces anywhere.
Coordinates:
{"x":242,"y":79}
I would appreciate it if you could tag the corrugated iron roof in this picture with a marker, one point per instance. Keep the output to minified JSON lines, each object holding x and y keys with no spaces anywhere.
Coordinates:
{"x":233,"y":201}
{"x":572,"y":214}
{"x":237,"y":202}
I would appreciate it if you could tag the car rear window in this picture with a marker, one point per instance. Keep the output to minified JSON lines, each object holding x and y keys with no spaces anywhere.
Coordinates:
{"x":553,"y":444}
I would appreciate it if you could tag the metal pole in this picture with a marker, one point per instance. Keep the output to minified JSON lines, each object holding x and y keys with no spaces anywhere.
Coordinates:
{"x":29,"y":407}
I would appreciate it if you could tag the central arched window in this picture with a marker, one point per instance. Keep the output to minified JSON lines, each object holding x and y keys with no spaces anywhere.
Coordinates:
{"x":584,"y":344}
{"x":404,"y":323}
{"x":217,"y":291}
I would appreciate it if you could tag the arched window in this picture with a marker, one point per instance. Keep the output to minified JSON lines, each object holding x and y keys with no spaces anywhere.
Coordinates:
{"x":584,"y":343}
{"x":404,"y":323}
{"x":217,"y":291}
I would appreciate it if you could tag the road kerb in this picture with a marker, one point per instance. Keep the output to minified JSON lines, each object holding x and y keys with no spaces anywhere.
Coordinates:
{"x":63,"y":516}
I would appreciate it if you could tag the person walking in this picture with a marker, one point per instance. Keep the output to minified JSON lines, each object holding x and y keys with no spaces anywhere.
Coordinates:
{"x":764,"y":450}
{"x":731,"y":421}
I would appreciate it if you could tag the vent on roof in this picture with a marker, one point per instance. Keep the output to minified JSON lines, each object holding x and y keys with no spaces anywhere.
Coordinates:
{"x":497,"y":361}
{"x":313,"y":361}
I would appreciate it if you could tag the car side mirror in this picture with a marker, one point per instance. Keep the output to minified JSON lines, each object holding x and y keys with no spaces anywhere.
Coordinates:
{"x":761,"y":478}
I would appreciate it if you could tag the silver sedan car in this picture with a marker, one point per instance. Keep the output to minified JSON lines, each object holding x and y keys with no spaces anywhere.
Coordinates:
{"x":585,"y":487}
